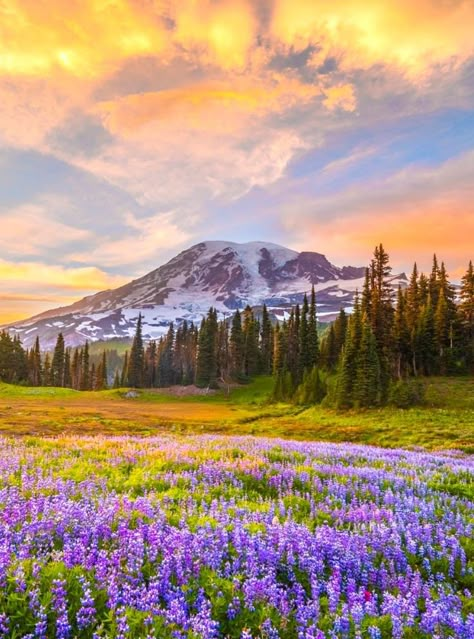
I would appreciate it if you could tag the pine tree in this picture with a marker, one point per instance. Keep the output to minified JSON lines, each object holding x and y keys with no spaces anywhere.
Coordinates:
{"x":117,"y":379}
{"x":136,"y":364}
{"x":35,"y":366}
{"x":76,"y":369}
{"x":165,"y":359}
{"x":367,"y":385}
{"x":47,"y":370}
{"x":349,"y":362}
{"x":151,"y":365}
{"x":401,"y":335}
{"x":466,"y":315}
{"x":206,"y":365}
{"x":382,"y":313}
{"x":293,"y":344}
{"x":433,"y":283}
{"x":313,"y":337}
{"x":57,"y":364}
{"x":124,"y":375}
{"x":266,"y":343}
{"x":223,"y":349}
{"x":312,"y":390}
{"x":413,"y":301}
{"x":67,"y":379}
{"x":236,"y":347}
{"x":85,"y":382}
{"x":367,"y":291}
{"x":101,"y":381}
{"x":329,"y":352}
{"x":340,"y":330}
{"x":251,"y":332}
{"x":93,"y":377}
{"x":304,"y":363}
{"x":426,"y":339}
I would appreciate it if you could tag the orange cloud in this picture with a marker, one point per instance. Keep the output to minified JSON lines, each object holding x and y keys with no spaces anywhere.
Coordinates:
{"x":82,"y":38}
{"x":222,"y":33}
{"x":198,"y":106}
{"x":17,"y":307}
{"x":87,"y":278}
{"x":408,"y":235}
{"x":415,"y":213}
{"x":28,"y":288}
{"x":340,"y":97}
{"x":414,"y":35}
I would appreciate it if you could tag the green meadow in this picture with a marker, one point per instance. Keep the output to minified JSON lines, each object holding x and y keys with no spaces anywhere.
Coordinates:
{"x":446,"y":421}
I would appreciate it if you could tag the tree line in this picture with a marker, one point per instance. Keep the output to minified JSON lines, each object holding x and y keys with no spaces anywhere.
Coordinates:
{"x":426,"y":328}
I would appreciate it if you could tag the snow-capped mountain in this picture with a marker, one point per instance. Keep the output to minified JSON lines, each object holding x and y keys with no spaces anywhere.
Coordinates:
{"x":225,"y":275}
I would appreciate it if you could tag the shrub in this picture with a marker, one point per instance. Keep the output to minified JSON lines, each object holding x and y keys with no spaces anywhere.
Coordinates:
{"x":407,"y":393}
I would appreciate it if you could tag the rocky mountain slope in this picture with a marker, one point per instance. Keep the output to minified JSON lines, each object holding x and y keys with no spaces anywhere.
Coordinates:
{"x":225,"y":275}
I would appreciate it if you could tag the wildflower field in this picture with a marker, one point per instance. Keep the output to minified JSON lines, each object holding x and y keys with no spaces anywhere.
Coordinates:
{"x":209,"y":536}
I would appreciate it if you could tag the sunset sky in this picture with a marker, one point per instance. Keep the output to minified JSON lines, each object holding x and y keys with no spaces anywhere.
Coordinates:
{"x":130,"y":129}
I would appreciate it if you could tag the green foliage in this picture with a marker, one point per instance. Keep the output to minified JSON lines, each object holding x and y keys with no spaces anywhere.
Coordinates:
{"x":206,"y":365}
{"x":407,"y":393}
{"x":312,"y":389}
{"x":137,"y":358}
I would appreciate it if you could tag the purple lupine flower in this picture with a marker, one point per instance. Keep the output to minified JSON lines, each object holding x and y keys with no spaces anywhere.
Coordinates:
{"x":122,"y":623}
{"x":63,"y":627}
{"x":4,"y":625}
{"x":86,"y":613}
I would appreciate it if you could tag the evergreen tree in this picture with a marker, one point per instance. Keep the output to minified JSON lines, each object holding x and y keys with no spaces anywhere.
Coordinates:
{"x":367,"y":291}
{"x":151,"y":365}
{"x":402,"y":336}
{"x":136,"y":364}
{"x":304,"y":363}
{"x":34,"y":366}
{"x":101,"y":381}
{"x":236,"y":347}
{"x":47,"y":370}
{"x":67,"y":379}
{"x":93,"y":377}
{"x":312,"y":390}
{"x":349,"y":362}
{"x":165,"y":359}
{"x":223,"y":350}
{"x":382,"y":312}
{"x":340,"y":330}
{"x":124,"y":375}
{"x":57,"y":364}
{"x":266,"y":343}
{"x":85,"y":382}
{"x":76,"y":369}
{"x":466,"y":315}
{"x":206,"y":365}
{"x":117,"y":379}
{"x":313,"y":338}
{"x":426,"y":340}
{"x":329,"y":351}
{"x":13,"y":360}
{"x":251,"y":332}
{"x":367,"y":385}
{"x":433,"y":283}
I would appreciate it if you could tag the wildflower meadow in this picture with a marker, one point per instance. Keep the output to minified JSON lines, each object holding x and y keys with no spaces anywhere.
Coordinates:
{"x":238,"y":537}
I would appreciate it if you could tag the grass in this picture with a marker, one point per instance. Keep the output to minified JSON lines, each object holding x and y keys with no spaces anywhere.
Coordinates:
{"x":447,"y":421}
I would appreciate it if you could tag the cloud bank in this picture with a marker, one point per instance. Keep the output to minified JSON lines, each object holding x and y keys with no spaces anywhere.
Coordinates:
{"x":131,"y":129}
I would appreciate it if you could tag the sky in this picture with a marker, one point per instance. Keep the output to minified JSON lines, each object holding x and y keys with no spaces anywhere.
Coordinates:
{"x":132,"y":129}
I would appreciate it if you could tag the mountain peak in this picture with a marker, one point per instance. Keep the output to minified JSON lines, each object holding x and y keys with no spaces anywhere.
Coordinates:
{"x":225,"y":275}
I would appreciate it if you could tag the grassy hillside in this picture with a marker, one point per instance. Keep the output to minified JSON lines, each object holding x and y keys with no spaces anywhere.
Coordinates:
{"x":447,"y":421}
